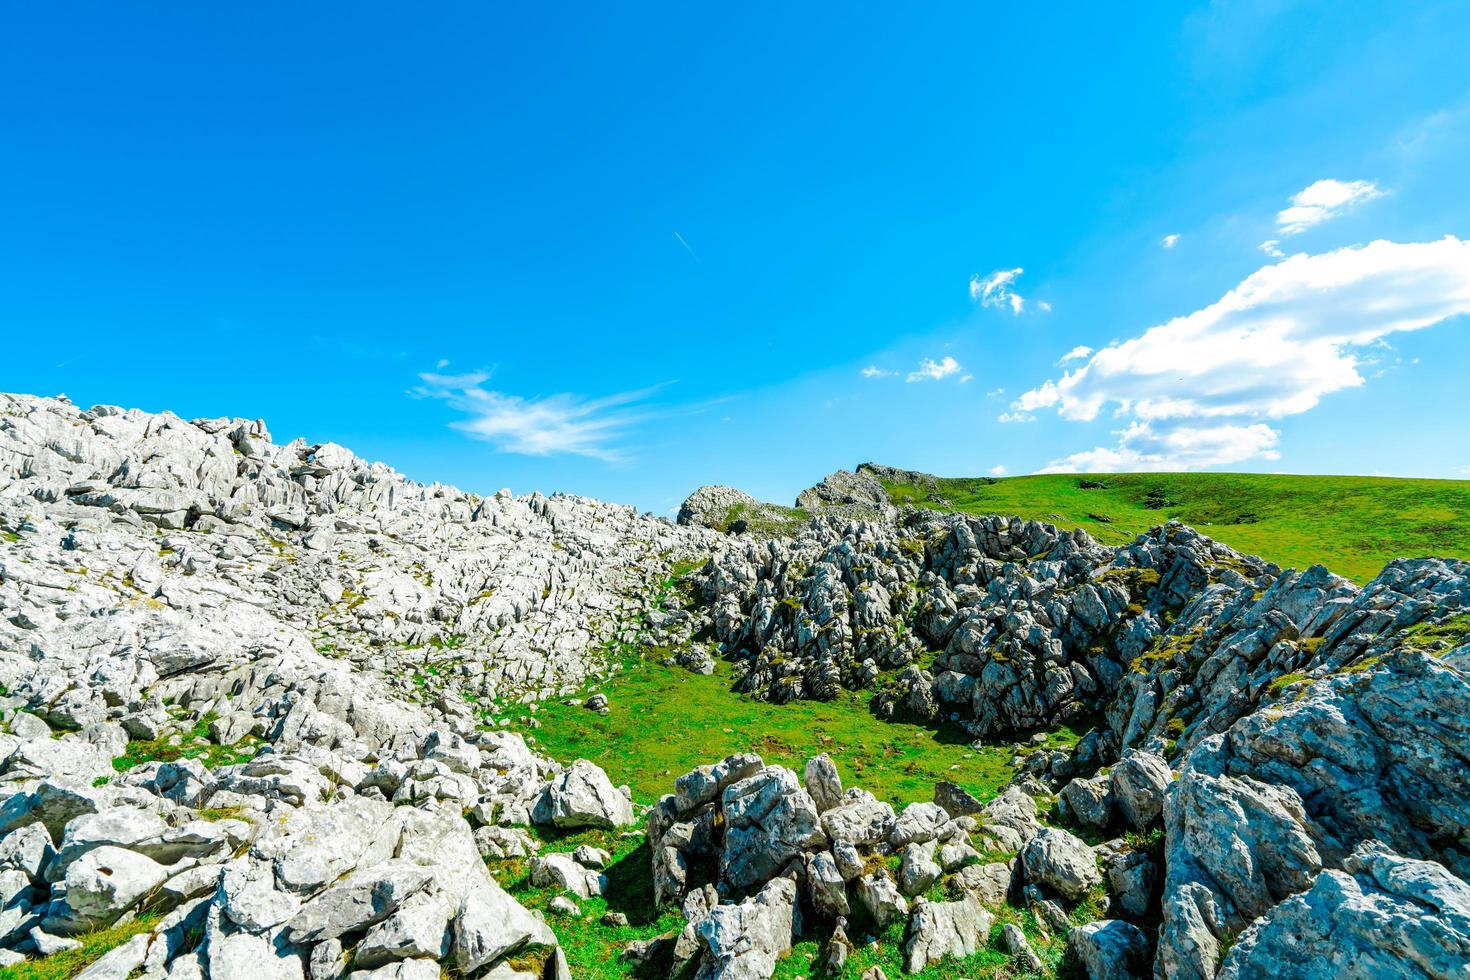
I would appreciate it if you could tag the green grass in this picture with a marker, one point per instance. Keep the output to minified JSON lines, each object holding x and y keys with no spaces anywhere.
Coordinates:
{"x":592,"y":949}
{"x":1351,"y":524}
{"x":193,"y":744}
{"x":94,"y":946}
{"x":1445,"y":634}
{"x":665,"y":721}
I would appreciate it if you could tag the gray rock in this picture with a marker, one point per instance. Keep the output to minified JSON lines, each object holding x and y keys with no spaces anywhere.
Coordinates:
{"x":877,"y":894}
{"x":1111,"y":949}
{"x":1061,"y":862}
{"x":826,"y":886}
{"x":940,"y":929}
{"x":769,"y":820}
{"x":582,"y":796}
{"x":490,"y":925}
{"x":861,"y":820}
{"x":743,"y":942}
{"x":822,"y":782}
{"x":919,"y":823}
{"x":990,"y":883}
{"x":918,"y":870}
{"x":1385,"y":916}
{"x":705,"y":784}
{"x":1138,"y":783}
{"x":1017,"y":946}
{"x":1090,"y":801}
{"x":956,"y":801}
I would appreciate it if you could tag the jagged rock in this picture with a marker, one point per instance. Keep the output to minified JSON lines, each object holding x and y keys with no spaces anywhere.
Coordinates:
{"x":561,"y":871}
{"x":1111,"y":949}
{"x":743,"y":942}
{"x":860,"y":819}
{"x":1132,"y":878}
{"x":582,"y":796}
{"x":990,"y":883}
{"x":940,"y":929}
{"x":918,"y":870}
{"x":769,"y":820}
{"x":704,"y":784}
{"x":1137,"y":784}
{"x":1017,"y":946}
{"x":919,"y":823}
{"x":1090,"y":801}
{"x":877,"y":894}
{"x":823,"y":783}
{"x":955,"y":800}
{"x":1384,"y":916}
{"x":826,"y":885}
{"x":1061,"y":862}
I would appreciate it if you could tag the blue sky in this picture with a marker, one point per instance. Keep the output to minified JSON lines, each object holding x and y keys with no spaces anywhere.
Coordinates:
{"x":624,"y":253}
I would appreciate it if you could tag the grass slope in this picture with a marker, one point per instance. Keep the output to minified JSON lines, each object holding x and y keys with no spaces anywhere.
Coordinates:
{"x":665,"y":721}
{"x":1351,"y":524}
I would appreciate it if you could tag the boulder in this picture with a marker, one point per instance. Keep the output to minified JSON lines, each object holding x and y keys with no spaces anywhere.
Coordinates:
{"x":1112,"y":949}
{"x":1384,"y":916}
{"x":823,"y":783}
{"x":1061,"y":862}
{"x":1137,"y":784}
{"x":743,"y":942}
{"x":769,"y":820}
{"x":582,"y":796}
{"x":880,"y":897}
{"x":940,"y":929}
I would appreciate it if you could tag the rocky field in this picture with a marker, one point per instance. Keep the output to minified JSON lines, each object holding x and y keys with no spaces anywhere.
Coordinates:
{"x":275,"y":711}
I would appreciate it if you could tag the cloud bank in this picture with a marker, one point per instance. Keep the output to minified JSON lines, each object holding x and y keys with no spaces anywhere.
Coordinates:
{"x":1200,"y":389}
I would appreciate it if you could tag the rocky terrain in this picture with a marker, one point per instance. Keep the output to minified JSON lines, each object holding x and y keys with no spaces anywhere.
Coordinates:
{"x":257,"y":702}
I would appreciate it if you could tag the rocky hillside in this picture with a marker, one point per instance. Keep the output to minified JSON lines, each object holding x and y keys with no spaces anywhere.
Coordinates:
{"x":260,"y":707}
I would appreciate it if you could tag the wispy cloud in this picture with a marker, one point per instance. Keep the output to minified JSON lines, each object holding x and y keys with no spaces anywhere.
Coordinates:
{"x":1076,"y":354}
{"x":997,"y":290}
{"x":873,"y":371}
{"x":997,"y":470}
{"x":1323,"y":200}
{"x":1272,"y":248}
{"x":1169,"y":241}
{"x":1200,"y":389}
{"x":931,"y":370}
{"x":563,"y":424}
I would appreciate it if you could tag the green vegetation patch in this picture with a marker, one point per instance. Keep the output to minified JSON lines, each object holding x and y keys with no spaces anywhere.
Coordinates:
{"x":1352,"y":524}
{"x":71,"y":962}
{"x":665,"y":721}
{"x":1434,"y":636}
{"x":193,"y":744}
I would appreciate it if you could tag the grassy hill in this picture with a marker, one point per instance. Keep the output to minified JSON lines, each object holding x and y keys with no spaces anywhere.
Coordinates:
{"x":1351,"y":524}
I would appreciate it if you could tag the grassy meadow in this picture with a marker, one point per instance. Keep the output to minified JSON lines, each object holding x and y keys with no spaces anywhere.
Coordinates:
{"x":1352,"y":524}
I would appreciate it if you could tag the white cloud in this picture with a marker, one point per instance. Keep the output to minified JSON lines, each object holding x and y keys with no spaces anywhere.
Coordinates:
{"x":1272,"y":248}
{"x":1169,"y":241}
{"x":966,"y":379}
{"x":997,"y":471}
{"x":1012,"y":418}
{"x":1323,"y":200}
{"x":873,"y":371}
{"x":442,"y":364}
{"x":1272,"y":347}
{"x":1044,"y":306}
{"x":1141,"y":448}
{"x":996,"y":290}
{"x":554,"y":425}
{"x":1076,"y":354}
{"x":931,"y":370}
